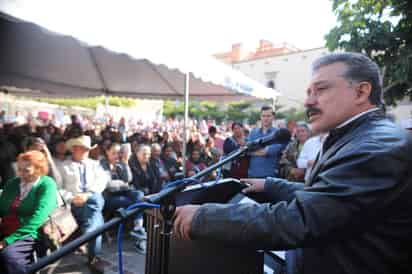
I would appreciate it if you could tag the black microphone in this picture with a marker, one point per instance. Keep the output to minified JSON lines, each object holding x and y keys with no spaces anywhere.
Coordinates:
{"x":280,"y":136}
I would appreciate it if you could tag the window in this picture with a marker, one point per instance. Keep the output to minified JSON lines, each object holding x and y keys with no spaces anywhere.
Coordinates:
{"x":271,"y":84}
{"x":271,"y":79}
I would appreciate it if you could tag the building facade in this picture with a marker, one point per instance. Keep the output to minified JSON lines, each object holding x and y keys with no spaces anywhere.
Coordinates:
{"x":287,"y":69}
{"x":283,"y":67}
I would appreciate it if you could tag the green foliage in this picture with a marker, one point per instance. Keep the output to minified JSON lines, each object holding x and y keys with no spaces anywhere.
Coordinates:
{"x":172,"y":109}
{"x":89,"y":102}
{"x":254,"y":116}
{"x":382,"y":29}
{"x":291,"y":114}
{"x":236,"y":111}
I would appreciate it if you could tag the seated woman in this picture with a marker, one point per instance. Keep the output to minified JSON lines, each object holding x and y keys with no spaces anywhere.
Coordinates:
{"x":195,"y":162}
{"x":25,"y":204}
{"x":118,"y":193}
{"x":36,"y":143}
{"x":146,"y":180}
{"x":146,"y":177}
{"x":170,"y":161}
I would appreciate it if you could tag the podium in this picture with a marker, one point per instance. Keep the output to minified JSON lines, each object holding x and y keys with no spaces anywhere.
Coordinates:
{"x":201,"y":257}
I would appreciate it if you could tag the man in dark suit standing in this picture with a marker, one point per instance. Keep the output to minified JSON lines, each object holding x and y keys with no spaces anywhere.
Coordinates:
{"x":353,"y":215}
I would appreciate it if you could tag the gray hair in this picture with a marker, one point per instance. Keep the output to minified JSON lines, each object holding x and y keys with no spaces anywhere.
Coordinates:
{"x":142,"y":147}
{"x":156,"y":146}
{"x":359,"y":68}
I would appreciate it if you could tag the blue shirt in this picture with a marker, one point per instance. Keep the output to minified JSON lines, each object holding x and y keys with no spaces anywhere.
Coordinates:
{"x":268,"y":165}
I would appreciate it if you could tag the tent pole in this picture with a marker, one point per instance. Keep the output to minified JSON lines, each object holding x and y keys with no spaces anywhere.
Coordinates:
{"x":106,"y":103}
{"x":185,"y":121}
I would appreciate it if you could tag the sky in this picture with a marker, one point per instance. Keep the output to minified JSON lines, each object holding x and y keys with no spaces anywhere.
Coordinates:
{"x":146,"y":28}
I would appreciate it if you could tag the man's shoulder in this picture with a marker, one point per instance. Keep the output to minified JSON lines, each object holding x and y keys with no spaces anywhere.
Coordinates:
{"x":254,"y":130}
{"x":385,"y":132}
{"x":379,"y":136}
{"x":47,"y":182}
{"x":92,"y":162}
{"x":67,"y":163}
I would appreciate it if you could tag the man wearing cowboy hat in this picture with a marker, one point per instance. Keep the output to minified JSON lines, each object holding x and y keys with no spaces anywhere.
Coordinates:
{"x":83,"y":183}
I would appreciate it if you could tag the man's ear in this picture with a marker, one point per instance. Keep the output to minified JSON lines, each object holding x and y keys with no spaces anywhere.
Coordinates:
{"x":363,"y":92}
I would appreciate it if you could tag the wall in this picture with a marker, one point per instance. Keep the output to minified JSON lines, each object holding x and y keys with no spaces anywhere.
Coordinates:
{"x":289,"y":72}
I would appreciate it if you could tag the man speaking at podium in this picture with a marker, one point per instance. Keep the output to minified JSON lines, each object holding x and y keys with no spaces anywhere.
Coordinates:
{"x":353,"y":215}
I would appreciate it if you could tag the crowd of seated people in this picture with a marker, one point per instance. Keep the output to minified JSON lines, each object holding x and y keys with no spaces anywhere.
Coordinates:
{"x":98,"y":171}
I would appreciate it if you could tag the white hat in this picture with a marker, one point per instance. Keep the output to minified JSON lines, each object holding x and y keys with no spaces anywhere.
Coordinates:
{"x":407,"y":123}
{"x":83,"y":141}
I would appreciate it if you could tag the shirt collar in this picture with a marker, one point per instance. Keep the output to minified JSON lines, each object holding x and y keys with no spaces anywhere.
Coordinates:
{"x":26,"y":187}
{"x":81,"y":163}
{"x":32,"y":183}
{"x":356,"y":117}
{"x":269,"y":130}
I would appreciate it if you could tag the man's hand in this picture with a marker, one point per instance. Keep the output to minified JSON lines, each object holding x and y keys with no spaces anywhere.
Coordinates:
{"x":298,"y":173}
{"x":254,"y":185}
{"x":310,"y":163}
{"x":80,"y":199}
{"x":183,"y":221}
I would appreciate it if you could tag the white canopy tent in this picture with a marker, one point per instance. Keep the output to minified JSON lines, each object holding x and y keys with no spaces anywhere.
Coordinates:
{"x":56,"y":65}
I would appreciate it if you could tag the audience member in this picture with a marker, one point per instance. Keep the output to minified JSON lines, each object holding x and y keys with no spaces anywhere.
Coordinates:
{"x":146,"y":177}
{"x":7,"y":157}
{"x":265,"y":162}
{"x":36,"y":143}
{"x":195,"y":163}
{"x":118,"y":192}
{"x":308,"y":154}
{"x":25,"y":204}
{"x":170,"y":161}
{"x":217,"y":139}
{"x":158,"y":162}
{"x":84,"y":180}
{"x":238,"y":167}
{"x":288,"y":163}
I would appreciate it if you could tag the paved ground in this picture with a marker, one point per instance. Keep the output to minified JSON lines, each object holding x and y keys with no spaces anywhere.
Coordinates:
{"x":75,"y":263}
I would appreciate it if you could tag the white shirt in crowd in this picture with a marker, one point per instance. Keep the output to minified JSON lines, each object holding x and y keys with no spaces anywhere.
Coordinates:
{"x":309,"y":151}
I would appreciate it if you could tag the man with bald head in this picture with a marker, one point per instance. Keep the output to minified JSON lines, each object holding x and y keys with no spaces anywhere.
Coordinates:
{"x":353,"y":214}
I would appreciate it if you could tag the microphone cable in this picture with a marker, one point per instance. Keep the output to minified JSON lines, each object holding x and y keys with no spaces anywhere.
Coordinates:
{"x":185,"y":181}
{"x":120,"y":231}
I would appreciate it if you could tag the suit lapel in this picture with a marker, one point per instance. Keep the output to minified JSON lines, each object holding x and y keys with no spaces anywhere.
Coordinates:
{"x":319,"y":162}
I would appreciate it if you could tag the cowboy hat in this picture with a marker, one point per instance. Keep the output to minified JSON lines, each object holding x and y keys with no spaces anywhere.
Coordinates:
{"x":83,"y":141}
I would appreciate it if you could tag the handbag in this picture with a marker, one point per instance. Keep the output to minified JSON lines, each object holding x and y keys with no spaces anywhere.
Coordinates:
{"x":59,"y":226}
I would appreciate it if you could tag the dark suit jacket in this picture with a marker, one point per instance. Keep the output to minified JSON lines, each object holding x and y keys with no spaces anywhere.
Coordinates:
{"x":353,"y":217}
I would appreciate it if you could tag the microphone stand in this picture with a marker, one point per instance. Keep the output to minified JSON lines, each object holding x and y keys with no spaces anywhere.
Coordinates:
{"x":166,"y":198}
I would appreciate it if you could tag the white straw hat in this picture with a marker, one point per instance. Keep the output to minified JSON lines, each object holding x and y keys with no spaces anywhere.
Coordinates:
{"x":83,"y":141}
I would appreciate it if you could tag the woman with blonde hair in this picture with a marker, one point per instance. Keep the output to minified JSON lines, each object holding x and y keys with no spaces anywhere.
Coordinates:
{"x":25,"y":204}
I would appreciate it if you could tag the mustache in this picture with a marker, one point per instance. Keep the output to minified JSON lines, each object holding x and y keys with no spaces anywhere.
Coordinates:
{"x":312,"y":110}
